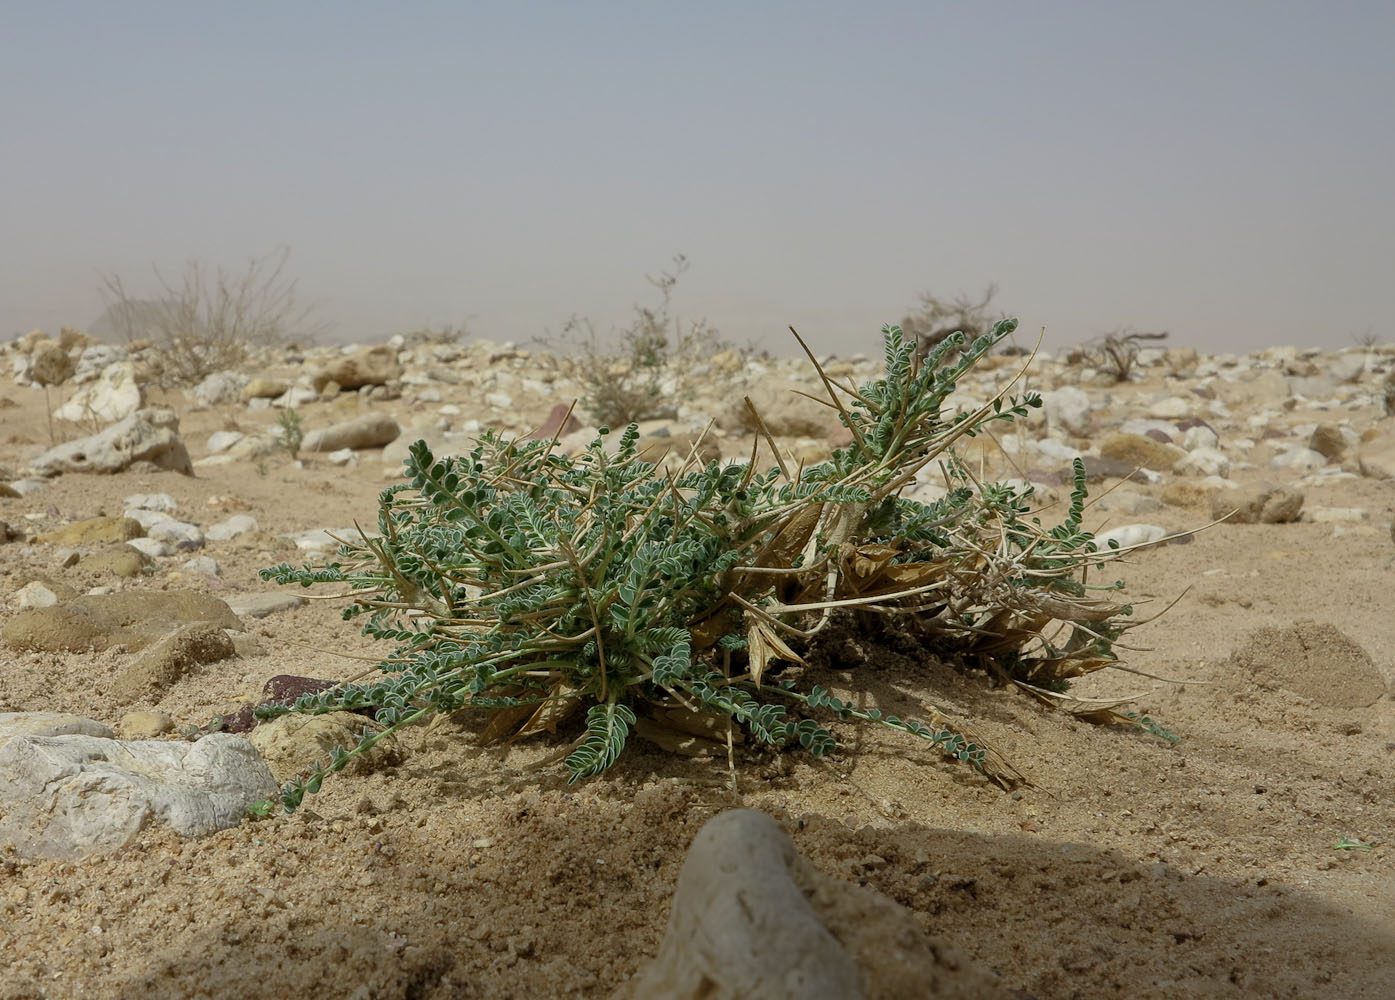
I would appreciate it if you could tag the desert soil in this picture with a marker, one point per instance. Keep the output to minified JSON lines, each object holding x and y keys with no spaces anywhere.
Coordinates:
{"x":1129,"y":866}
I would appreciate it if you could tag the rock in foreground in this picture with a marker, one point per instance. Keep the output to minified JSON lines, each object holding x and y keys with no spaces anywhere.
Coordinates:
{"x":751,"y":918}
{"x":72,"y":796}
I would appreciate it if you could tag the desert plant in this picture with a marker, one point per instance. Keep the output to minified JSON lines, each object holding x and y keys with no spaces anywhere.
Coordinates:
{"x":535,"y":585}
{"x":937,"y":318}
{"x":1114,"y":353}
{"x":210,"y":319}
{"x":635,"y":377}
{"x":290,"y":431}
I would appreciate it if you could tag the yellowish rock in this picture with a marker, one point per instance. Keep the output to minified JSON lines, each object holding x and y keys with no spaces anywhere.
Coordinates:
{"x":94,"y":529}
{"x":118,"y":560}
{"x":1188,"y":494}
{"x":145,"y":725}
{"x":294,"y":744}
{"x":1141,"y":450}
{"x":162,"y":664}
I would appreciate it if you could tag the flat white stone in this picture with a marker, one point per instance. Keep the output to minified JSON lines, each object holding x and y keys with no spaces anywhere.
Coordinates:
{"x":72,"y":796}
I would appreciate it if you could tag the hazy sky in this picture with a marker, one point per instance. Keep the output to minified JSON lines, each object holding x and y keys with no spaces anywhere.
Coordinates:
{"x":1224,"y":170}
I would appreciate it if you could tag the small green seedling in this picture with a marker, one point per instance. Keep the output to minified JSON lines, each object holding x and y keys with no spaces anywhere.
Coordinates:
{"x":291,"y":432}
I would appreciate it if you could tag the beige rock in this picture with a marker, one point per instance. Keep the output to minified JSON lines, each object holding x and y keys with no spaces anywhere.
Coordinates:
{"x":367,"y":431}
{"x":1129,"y":537}
{"x":751,"y":918}
{"x":94,"y":529}
{"x":785,"y":412}
{"x":1314,"y":660}
{"x":135,"y":618}
{"x":1141,"y":450}
{"x":1376,"y":456}
{"x":162,"y":664}
{"x":1203,"y":462}
{"x":14,"y":724}
{"x":118,"y":560}
{"x":145,"y":725}
{"x":264,"y":388}
{"x":1328,"y":441}
{"x":1189,"y":494}
{"x":59,"y":589}
{"x":375,"y":365}
{"x":1267,"y":389}
{"x":1265,"y":505}
{"x":294,"y":744}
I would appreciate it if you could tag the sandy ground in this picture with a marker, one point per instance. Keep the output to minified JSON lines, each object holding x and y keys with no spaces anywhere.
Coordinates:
{"x":1129,"y":867}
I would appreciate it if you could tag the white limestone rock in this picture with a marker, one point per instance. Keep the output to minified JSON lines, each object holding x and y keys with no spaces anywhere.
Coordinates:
{"x":238,"y":524}
{"x":73,"y":796}
{"x":221,"y":441}
{"x":220,"y":387}
{"x":35,"y":594}
{"x":1203,"y":462}
{"x":1298,"y":459}
{"x":1131,"y":536}
{"x":145,"y":436}
{"x":155,"y":548}
{"x":1200,"y":436}
{"x":114,"y":395}
{"x":14,"y":724}
{"x":741,"y":927}
{"x":161,"y":502}
{"x":96,"y":358}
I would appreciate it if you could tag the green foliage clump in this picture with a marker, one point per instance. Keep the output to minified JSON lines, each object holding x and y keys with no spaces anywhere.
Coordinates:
{"x":290,"y":431}
{"x":534,"y":585}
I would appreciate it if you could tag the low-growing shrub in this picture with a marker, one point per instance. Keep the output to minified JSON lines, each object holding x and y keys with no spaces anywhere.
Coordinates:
{"x":290,"y":432}
{"x":536,"y":586}
{"x":640,"y":374}
{"x":211,"y":318}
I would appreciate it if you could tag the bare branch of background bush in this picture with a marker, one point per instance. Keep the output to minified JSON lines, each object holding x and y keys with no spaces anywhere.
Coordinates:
{"x":1114,"y":353}
{"x":1367,"y":338}
{"x":208,"y":321}
{"x":937,"y":318}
